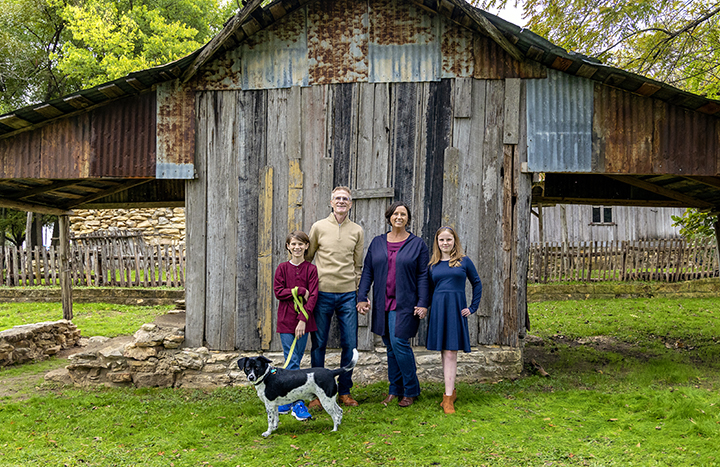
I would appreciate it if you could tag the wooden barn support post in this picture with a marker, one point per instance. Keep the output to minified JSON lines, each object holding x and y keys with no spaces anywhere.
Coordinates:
{"x":265,"y":272}
{"x":65,"y":283}
{"x":717,"y":241}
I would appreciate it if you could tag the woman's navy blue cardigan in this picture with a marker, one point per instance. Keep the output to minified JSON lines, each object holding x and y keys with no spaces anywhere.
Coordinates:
{"x":411,"y":284}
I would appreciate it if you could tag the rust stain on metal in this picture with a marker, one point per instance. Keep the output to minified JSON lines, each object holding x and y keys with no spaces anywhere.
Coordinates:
{"x":66,"y":148}
{"x":398,"y":23}
{"x":337,"y":41}
{"x":224,"y":73}
{"x":175,"y":124}
{"x":492,"y":62}
{"x":457,"y":51}
{"x":561,"y":63}
{"x":622,"y":131}
{"x":123,"y":138}
{"x":639,"y":135}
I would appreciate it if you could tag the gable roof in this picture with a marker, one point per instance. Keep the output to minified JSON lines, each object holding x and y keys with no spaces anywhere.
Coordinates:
{"x":518,"y":42}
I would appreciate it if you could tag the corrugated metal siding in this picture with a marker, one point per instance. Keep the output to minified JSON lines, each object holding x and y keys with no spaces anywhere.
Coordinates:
{"x":689,"y":142}
{"x":337,"y":41}
{"x":559,"y":123}
{"x":638,"y":135}
{"x":404,"y":43}
{"x":176,"y":131}
{"x":19,"y":154}
{"x":623,"y":127}
{"x":277,"y":57}
{"x":123,"y":138}
{"x":457,"y":50}
{"x":66,"y":148}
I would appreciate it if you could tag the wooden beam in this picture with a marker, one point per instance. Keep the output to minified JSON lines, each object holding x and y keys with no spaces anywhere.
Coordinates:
{"x":110,"y":191}
{"x":44,"y":189}
{"x":65,"y":282}
{"x":214,"y":45}
{"x":373,"y":193}
{"x":688,"y":200}
{"x":608,"y":202}
{"x":709,"y":181}
{"x":488,"y":28}
{"x":32,"y":207}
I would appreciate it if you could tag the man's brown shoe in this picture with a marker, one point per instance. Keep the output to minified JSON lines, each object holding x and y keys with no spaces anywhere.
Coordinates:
{"x":406,"y":401}
{"x":388,"y":399}
{"x":345,"y":399}
{"x":314,"y":404}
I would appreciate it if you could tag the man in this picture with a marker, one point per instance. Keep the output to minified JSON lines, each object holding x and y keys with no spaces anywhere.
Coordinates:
{"x":336,"y":245}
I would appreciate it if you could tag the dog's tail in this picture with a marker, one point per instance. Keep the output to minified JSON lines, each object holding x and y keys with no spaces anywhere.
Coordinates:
{"x":350,"y":366}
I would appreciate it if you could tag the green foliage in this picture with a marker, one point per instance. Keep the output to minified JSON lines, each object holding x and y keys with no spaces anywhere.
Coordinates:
{"x":50,"y":48}
{"x":695,"y":224}
{"x":677,"y":42}
{"x":13,"y":223}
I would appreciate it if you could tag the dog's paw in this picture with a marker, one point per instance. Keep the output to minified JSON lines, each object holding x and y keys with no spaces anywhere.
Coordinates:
{"x":266,"y":434}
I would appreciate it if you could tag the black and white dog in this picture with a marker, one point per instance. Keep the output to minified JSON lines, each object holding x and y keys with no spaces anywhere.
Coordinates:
{"x":276,"y":387}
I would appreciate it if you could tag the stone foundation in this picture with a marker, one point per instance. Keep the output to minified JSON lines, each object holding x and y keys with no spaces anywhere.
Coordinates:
{"x":154,"y":357}
{"x":34,"y":342}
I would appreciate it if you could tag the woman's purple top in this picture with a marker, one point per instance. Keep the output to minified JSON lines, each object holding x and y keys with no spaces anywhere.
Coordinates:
{"x":393,"y":248}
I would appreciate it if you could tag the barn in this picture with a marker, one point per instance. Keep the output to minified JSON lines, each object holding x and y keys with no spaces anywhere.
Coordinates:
{"x":432,"y":102}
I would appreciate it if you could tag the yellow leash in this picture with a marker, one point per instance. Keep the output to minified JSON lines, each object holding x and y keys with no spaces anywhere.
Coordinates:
{"x":299,"y":308}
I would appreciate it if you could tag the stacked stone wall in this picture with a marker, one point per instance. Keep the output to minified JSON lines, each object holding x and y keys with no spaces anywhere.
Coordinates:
{"x":154,"y":357}
{"x":34,"y":342}
{"x":159,"y":226}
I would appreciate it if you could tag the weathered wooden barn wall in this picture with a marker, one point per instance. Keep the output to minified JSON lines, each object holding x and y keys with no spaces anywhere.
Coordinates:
{"x":573,"y":223}
{"x":277,"y":130}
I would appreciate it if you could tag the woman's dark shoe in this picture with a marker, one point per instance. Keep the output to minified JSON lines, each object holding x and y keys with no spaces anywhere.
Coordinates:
{"x":406,"y":401}
{"x":388,"y":399}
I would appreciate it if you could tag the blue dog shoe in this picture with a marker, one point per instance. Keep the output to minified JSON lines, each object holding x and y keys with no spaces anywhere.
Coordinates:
{"x":283,"y":409}
{"x":300,"y":412}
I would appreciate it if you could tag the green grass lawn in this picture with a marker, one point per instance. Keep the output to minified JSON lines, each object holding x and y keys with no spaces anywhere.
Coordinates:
{"x":648,"y":396}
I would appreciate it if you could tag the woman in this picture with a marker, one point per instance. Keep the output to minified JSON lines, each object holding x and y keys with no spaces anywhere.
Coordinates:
{"x":396,"y":265}
{"x":448,"y":325}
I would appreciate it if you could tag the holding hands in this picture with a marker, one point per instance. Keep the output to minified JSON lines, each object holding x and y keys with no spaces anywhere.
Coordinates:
{"x":363,"y":307}
{"x":420,"y":312}
{"x":465,"y":312}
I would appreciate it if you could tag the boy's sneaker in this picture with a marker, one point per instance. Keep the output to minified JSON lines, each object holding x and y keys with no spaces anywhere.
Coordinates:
{"x":300,"y":412}
{"x":283,"y":409}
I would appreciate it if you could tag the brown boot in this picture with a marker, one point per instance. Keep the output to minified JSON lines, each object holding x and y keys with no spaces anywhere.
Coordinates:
{"x":454,"y":397}
{"x":447,"y":404}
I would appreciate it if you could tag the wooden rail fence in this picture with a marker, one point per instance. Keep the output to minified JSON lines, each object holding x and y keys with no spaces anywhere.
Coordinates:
{"x":116,"y":264}
{"x":652,"y":260}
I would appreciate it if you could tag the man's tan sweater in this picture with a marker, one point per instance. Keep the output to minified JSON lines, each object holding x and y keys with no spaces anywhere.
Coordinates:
{"x":337,"y":250}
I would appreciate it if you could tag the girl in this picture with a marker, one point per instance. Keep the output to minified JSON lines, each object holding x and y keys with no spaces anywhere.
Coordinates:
{"x":292,"y":324}
{"x":448,"y":326}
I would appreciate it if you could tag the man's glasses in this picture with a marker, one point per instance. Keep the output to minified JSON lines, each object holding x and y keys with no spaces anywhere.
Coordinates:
{"x":341,"y":198}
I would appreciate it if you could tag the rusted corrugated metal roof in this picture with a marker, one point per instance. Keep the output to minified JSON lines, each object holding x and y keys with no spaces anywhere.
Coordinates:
{"x":257,"y":18}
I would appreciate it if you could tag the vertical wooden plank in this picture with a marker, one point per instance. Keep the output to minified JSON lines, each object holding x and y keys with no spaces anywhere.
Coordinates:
{"x":511,"y":122}
{"x":15,"y":260}
{"x":462,"y":98}
{"x":251,"y":160}
{"x":181,"y":264}
{"x":196,"y":233}
{"x":87,"y":267}
{"x":37,"y":263}
{"x":65,"y":283}
{"x":222,"y":201}
{"x":265,"y":271}
{"x":343,"y":132}
{"x":314,"y":144}
{"x":508,"y":333}
{"x":278,"y":142}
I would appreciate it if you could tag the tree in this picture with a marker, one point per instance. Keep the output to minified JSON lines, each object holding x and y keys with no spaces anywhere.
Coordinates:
{"x":51,"y":48}
{"x":12,"y":224}
{"x":695,"y":224}
{"x":676,"y":42}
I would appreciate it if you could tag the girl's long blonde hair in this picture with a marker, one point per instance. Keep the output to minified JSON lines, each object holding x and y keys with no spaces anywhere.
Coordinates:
{"x":456,"y":254}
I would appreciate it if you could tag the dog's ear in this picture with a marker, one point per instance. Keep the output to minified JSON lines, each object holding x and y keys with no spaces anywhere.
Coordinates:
{"x":263,"y":358}
{"x":241,"y":363}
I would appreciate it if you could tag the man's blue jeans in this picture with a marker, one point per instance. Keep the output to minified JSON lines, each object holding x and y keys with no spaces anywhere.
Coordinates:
{"x":286,"y":339}
{"x":402,"y":371}
{"x":344,"y":306}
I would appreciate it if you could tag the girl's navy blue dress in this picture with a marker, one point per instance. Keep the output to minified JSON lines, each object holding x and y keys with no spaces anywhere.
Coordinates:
{"x":447,"y":328}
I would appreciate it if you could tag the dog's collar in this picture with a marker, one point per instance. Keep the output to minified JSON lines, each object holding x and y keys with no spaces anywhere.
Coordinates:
{"x":271,"y":369}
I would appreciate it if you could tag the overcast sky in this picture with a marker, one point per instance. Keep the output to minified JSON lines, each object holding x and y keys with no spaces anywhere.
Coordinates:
{"x":510,"y":13}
